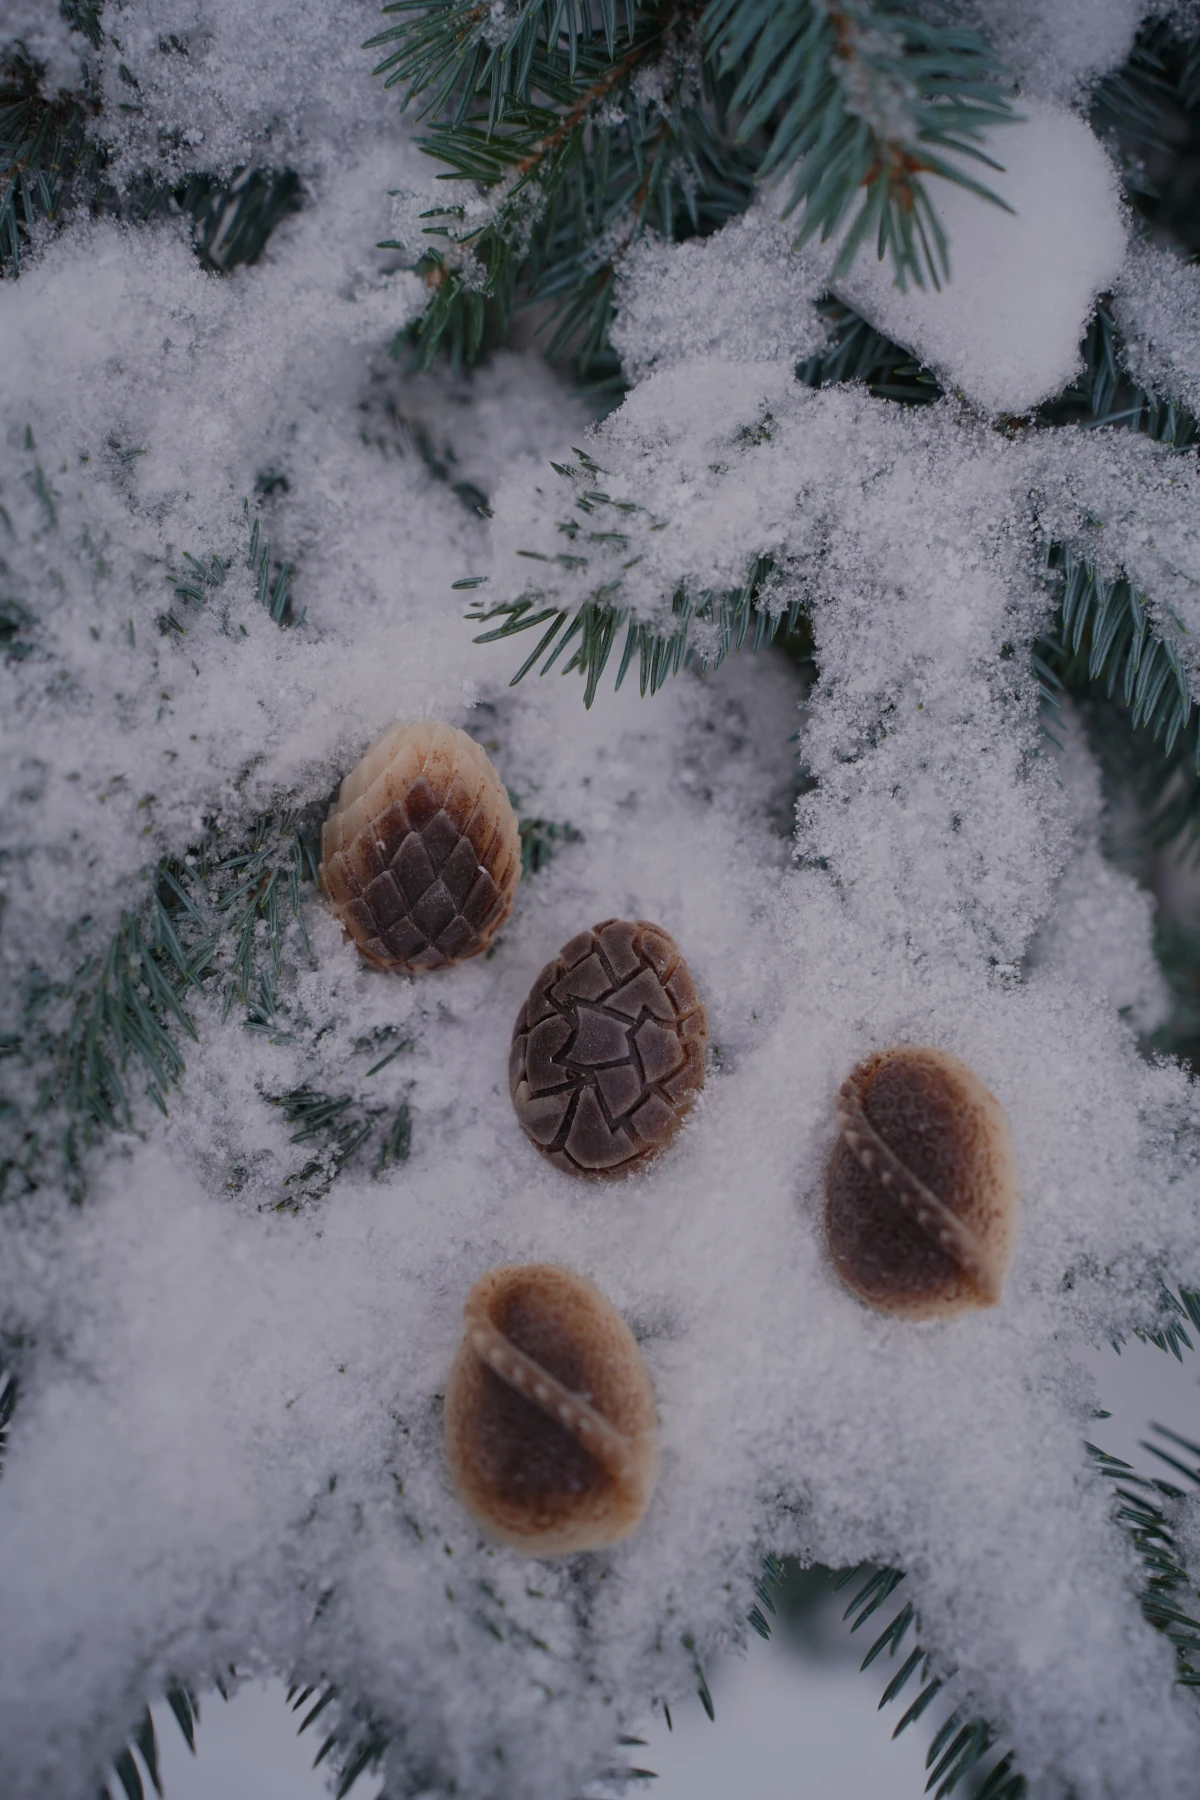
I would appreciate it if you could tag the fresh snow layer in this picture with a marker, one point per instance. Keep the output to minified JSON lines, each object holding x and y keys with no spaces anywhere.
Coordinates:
{"x":1005,"y":329}
{"x":742,"y":295}
{"x":227,"y":1445}
{"x":218,"y":83}
{"x":1157,"y":302}
{"x":1056,"y":48}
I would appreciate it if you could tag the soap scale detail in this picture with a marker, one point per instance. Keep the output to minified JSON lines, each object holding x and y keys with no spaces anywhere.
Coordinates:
{"x":420,"y":854}
{"x":608,"y":1051}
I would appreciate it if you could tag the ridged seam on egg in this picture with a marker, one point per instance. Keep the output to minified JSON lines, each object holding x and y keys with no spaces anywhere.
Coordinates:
{"x":878,"y":1207}
{"x":546,"y":1467}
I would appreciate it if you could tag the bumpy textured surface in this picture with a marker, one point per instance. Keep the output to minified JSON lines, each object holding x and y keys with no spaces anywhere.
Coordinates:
{"x":608,"y":1050}
{"x":921,"y":1193}
{"x":420,"y":853}
{"x":551,"y":1430}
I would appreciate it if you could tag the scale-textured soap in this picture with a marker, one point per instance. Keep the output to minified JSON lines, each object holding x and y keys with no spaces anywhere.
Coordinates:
{"x":922,"y":1188}
{"x":420,"y":854}
{"x":551,"y":1429}
{"x":608,"y":1050}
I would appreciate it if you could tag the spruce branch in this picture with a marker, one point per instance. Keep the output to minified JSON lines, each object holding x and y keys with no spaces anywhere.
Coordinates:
{"x":1149,"y":112}
{"x":219,"y":916}
{"x":8,"y":1402}
{"x":1105,"y":394}
{"x":737,"y":614}
{"x":233,"y":219}
{"x":1140,"y":1510}
{"x":862,"y":99}
{"x":964,"y":1741}
{"x":592,"y":145}
{"x":1104,"y":635}
{"x":137,"y":1775}
{"x":856,"y":351}
{"x":354,"y":1738}
{"x":1178,"y":1312}
{"x":44,"y":153}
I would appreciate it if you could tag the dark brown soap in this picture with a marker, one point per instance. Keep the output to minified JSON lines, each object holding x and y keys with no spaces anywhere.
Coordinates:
{"x":608,"y":1050}
{"x":551,"y":1430}
{"x":922,"y":1188}
{"x":420,"y":854}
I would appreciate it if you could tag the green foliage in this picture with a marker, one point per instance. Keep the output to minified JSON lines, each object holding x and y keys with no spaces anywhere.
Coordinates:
{"x":43,"y":153}
{"x":218,"y":919}
{"x":128,"y":1769}
{"x":1104,"y":635}
{"x":596,"y":624}
{"x":1149,"y":110}
{"x":539,"y":838}
{"x":1141,"y":1513}
{"x":233,"y":219}
{"x":963,"y":1741}
{"x":583,"y":126}
{"x":862,"y":98}
{"x":8,"y":1401}
{"x":963,"y":1744}
{"x":47,"y":162}
{"x":857,"y":352}
{"x":1103,"y":648}
{"x":580,"y":143}
{"x":356,"y":1741}
{"x":590,"y":630}
{"x":1172,"y":1335}
{"x":340,"y":1126}
{"x":1105,"y":394}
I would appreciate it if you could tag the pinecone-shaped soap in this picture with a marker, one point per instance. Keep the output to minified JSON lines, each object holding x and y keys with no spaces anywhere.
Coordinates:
{"x":420,"y":853}
{"x":551,"y":1431}
{"x":922,"y":1187}
{"x":608,"y":1050}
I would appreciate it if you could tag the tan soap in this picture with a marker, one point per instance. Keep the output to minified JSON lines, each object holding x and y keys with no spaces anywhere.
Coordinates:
{"x":420,"y":854}
{"x":551,"y":1430}
{"x":608,"y":1051}
{"x":922,"y":1188}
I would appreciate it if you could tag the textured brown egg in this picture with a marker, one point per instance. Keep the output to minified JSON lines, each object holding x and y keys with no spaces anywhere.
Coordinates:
{"x":420,"y":853}
{"x":551,"y":1432}
{"x":922,"y":1187}
{"x":608,"y":1050}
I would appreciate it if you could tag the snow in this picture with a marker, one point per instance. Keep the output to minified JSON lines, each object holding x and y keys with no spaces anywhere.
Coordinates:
{"x":1099,"y":930}
{"x":1057,"y":47}
{"x":214,"y":84}
{"x":47,"y":39}
{"x":227,"y":1444}
{"x":1005,"y":329}
{"x":1157,"y":306}
{"x":742,"y":295}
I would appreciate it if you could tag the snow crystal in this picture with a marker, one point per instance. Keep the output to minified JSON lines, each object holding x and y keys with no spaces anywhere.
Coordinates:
{"x":1005,"y":328}
{"x":1157,"y":305}
{"x":227,"y":1444}
{"x":743,"y":295}
{"x":213,"y":83}
{"x":1100,"y":931}
{"x":1057,"y":47}
{"x":47,"y":39}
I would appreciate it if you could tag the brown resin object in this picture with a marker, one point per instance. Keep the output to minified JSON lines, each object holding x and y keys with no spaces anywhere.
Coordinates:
{"x":551,"y":1432}
{"x":608,"y":1050}
{"x":922,"y":1187}
{"x":420,"y":853}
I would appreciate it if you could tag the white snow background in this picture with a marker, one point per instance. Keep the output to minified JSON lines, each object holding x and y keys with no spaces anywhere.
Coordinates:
{"x":227,"y":1447}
